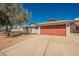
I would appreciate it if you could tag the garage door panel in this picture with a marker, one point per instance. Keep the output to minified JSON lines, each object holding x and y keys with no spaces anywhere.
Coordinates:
{"x":52,"y":26}
{"x":59,"y":30}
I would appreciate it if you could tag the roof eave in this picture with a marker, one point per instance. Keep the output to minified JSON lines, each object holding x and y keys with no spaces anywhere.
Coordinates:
{"x":59,"y":22}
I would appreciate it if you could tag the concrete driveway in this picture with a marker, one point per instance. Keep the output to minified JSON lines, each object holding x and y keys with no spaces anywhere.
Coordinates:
{"x":42,"y":45}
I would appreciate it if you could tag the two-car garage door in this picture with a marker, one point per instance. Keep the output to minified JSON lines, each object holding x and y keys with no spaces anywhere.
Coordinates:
{"x":59,"y":30}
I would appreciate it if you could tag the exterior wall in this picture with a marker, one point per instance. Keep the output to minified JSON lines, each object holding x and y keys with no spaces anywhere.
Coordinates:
{"x":59,"y":30}
{"x":38,"y":29}
{"x":68,"y":32}
{"x":73,"y":28}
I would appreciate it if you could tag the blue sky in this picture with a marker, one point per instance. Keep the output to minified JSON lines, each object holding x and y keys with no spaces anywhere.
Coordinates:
{"x":41,"y":12}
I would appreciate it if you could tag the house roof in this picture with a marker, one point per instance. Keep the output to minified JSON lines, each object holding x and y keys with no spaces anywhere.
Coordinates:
{"x":59,"y":22}
{"x":56,"y":22}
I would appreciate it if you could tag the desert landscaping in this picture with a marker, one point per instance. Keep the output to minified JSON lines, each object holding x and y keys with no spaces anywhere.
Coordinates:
{"x":9,"y":41}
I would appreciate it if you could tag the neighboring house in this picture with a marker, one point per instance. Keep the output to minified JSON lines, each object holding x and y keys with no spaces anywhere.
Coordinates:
{"x":16,"y":29}
{"x":23,"y":28}
{"x":33,"y":28}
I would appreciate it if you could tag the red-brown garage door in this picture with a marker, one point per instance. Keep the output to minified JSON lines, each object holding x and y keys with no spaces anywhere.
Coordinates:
{"x":59,"y":30}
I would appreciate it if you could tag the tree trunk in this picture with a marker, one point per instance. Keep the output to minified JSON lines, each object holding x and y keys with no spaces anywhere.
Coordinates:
{"x":7,"y":31}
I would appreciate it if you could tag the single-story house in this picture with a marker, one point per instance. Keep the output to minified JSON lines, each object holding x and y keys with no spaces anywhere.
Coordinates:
{"x":57,"y":28}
